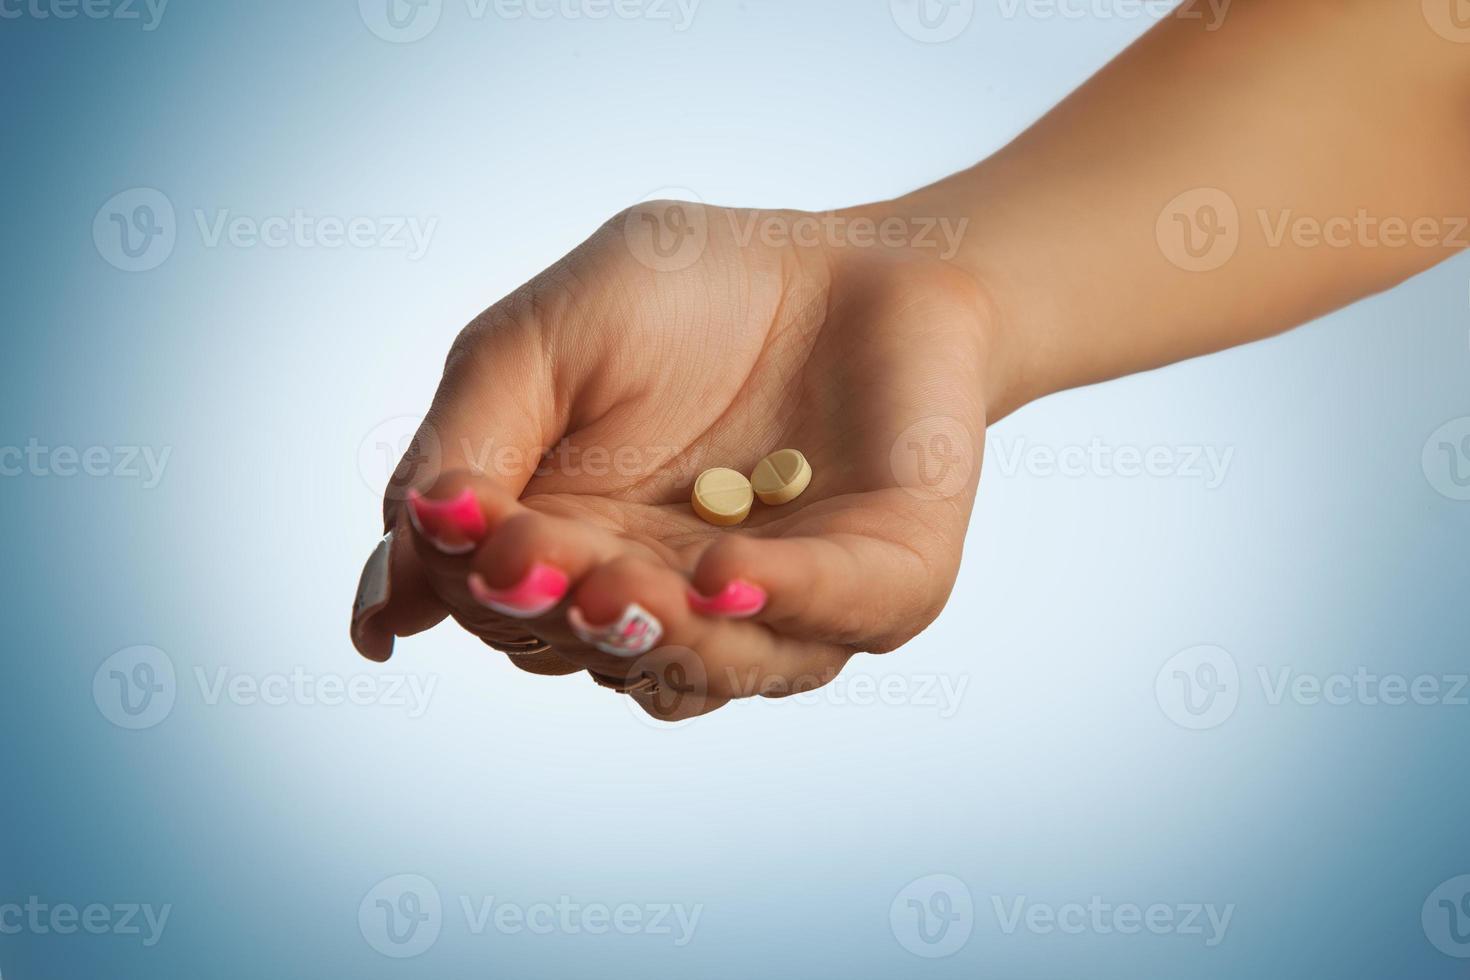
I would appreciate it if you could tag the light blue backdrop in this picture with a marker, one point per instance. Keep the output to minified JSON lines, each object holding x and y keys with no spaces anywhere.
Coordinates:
{"x":1038,"y":787}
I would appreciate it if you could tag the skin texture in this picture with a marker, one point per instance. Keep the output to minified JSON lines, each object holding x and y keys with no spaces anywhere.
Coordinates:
{"x":638,"y":367}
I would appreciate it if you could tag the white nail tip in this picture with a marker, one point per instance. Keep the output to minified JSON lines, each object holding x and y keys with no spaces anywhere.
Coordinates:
{"x":633,"y":634}
{"x":372,"y":588}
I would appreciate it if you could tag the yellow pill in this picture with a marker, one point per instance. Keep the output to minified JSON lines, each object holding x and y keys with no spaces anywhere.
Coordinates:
{"x":781,"y":477}
{"x":722,"y":496}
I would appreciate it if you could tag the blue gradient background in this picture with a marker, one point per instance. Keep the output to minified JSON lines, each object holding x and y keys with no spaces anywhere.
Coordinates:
{"x":794,"y":824}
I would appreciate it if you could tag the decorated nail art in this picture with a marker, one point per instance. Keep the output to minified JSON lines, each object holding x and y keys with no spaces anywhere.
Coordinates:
{"x":737,"y":600}
{"x":538,"y":591}
{"x":454,"y":525}
{"x":632,"y":634}
{"x":373,"y":589}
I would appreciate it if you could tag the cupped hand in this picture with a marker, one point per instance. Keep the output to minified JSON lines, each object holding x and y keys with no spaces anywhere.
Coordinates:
{"x":545,"y":502}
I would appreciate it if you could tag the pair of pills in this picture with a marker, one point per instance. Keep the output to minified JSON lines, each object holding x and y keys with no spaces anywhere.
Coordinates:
{"x":723,"y":496}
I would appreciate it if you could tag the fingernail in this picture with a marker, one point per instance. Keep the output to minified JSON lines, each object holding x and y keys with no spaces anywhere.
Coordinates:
{"x":541,"y":588}
{"x":373,"y":590}
{"x":454,"y":525}
{"x":736,"y":600}
{"x":632,"y":634}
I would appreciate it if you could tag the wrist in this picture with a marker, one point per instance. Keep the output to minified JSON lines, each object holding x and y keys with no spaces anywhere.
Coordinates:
{"x":929,"y":230}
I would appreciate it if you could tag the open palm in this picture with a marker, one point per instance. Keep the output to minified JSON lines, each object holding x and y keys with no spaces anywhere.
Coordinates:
{"x":547,"y":496}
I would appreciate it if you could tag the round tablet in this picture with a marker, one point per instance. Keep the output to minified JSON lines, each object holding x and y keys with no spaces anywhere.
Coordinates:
{"x":721,"y":496}
{"x":781,"y":477}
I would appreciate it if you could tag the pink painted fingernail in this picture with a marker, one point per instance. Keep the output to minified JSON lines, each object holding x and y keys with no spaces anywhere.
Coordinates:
{"x":736,"y":600}
{"x":454,"y":526}
{"x":632,"y":634}
{"x":538,"y":591}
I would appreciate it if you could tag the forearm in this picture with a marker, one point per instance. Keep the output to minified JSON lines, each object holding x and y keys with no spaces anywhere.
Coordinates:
{"x":1337,"y":132}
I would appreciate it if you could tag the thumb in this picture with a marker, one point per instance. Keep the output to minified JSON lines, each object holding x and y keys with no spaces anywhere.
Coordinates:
{"x":493,"y":414}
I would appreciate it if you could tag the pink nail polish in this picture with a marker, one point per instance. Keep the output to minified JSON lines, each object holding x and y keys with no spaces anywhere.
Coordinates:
{"x":454,"y":526}
{"x":538,"y":591}
{"x":632,"y":634}
{"x":737,"y":600}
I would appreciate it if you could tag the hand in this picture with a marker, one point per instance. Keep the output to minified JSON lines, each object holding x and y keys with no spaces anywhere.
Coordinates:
{"x":677,"y":339}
